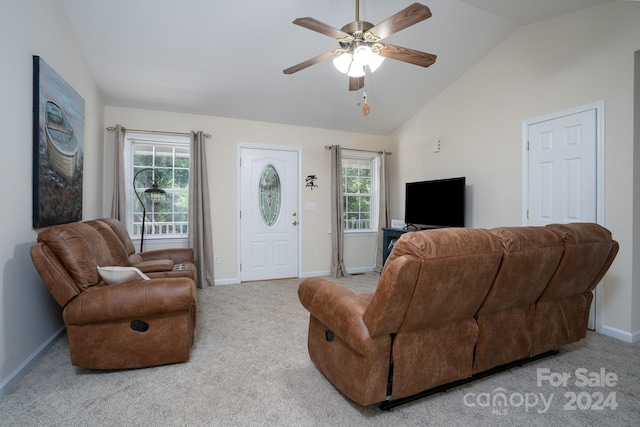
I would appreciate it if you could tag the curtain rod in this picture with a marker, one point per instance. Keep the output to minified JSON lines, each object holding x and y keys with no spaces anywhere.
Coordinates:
{"x":157,"y":132}
{"x":328,"y":147}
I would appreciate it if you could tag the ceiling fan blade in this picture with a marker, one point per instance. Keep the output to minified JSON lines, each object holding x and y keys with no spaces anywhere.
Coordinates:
{"x":309,"y":62}
{"x":401,"y":20}
{"x":356,"y":83}
{"x":407,"y":55}
{"x":321,"y":27}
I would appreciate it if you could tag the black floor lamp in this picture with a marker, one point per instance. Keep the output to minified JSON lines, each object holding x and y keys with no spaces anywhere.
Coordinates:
{"x":155,"y":194}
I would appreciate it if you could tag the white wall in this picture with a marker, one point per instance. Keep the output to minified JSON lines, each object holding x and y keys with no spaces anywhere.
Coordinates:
{"x":222,"y":167}
{"x":29,"y":316}
{"x":542,"y":68}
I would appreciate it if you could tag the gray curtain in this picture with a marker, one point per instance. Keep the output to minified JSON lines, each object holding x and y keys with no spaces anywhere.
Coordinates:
{"x":383,"y":209}
{"x":118,"y":200}
{"x":337,"y":220}
{"x":200,"y":234}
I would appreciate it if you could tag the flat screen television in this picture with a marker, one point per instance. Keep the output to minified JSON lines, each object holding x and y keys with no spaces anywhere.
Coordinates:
{"x":437,"y":203}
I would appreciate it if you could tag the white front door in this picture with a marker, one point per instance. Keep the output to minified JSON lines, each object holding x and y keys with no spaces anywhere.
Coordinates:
{"x":561,"y":182}
{"x":268,"y":213}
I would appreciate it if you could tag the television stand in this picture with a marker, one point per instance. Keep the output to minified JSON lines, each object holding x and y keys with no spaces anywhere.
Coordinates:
{"x":389,"y":238}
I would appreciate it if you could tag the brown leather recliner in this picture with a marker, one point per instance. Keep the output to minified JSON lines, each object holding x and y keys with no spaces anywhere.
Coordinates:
{"x":137,"y":323}
{"x":452,"y":303}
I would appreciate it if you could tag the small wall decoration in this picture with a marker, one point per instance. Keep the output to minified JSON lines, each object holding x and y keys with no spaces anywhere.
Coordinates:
{"x":310,"y":181}
{"x":58,"y":138}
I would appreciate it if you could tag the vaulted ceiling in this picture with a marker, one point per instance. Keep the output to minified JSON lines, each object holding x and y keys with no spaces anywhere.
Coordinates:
{"x":224,"y":58}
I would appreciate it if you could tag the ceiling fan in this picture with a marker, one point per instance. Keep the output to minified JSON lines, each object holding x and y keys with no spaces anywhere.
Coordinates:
{"x":360,"y":44}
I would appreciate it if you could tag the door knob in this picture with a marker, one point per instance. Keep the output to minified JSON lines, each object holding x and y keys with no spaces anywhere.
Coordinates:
{"x":295,"y":223}
{"x":294,"y":214}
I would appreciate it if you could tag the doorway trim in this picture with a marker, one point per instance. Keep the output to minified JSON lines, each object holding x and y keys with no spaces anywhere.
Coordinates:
{"x":253,"y":145}
{"x":599,"y":107}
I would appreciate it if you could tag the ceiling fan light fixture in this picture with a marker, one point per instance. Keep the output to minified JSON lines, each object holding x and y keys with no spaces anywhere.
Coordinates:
{"x":356,"y":69}
{"x":375,"y":60}
{"x":360,"y":44}
{"x":342,"y":62}
{"x":362,"y":53}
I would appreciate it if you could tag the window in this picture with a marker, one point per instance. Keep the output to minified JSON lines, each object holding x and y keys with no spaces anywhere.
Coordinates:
{"x":165,"y":161}
{"x":360,"y":190}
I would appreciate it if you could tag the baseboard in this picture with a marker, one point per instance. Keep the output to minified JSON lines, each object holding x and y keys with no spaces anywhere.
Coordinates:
{"x":20,"y":371}
{"x":359,"y":270}
{"x":327,"y":273}
{"x":630,"y":337}
{"x":323,"y":273}
{"x":315,"y":274}
{"x":234,"y":281}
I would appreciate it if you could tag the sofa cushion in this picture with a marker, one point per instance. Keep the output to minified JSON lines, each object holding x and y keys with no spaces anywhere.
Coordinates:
{"x":114,"y":275}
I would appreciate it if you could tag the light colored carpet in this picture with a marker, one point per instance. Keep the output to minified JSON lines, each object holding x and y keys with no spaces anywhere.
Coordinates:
{"x":249,"y":367}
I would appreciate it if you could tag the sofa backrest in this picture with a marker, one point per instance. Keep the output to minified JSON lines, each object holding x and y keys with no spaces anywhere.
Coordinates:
{"x":389,"y":303}
{"x":112,"y":239}
{"x":562,"y":310}
{"x":73,"y":251}
{"x":53,"y":274}
{"x":588,"y":252}
{"x":455,"y":268}
{"x":530,"y":257}
{"x":121,"y":231}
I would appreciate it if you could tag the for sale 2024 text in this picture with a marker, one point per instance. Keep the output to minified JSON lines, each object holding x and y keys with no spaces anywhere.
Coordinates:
{"x":594,"y":398}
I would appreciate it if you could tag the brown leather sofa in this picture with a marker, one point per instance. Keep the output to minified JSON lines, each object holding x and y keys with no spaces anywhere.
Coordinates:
{"x":454,"y":303}
{"x":145,"y":321}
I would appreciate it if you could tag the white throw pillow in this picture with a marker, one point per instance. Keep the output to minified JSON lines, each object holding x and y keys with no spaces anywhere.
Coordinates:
{"x":114,"y":275}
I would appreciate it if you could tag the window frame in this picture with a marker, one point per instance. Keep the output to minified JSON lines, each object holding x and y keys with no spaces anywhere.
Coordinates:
{"x":158,"y":140}
{"x":374,"y":158}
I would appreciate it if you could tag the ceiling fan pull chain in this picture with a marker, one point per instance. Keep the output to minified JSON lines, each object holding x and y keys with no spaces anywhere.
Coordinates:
{"x":365,"y":108}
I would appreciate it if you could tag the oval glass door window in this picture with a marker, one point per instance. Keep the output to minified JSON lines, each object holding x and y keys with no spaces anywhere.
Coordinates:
{"x":270,"y":195}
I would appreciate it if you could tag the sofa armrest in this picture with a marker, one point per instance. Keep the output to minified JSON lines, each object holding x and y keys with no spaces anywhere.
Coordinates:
{"x":338,"y":308}
{"x":151,"y":266}
{"x":135,"y":299}
{"x":177,"y":255}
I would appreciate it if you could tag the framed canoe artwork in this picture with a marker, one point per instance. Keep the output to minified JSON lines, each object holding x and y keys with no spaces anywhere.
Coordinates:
{"x":58,"y":138}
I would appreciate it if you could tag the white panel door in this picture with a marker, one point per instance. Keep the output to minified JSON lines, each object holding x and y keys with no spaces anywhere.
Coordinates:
{"x":268,"y":214}
{"x":562,"y":164}
{"x":562,"y":169}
